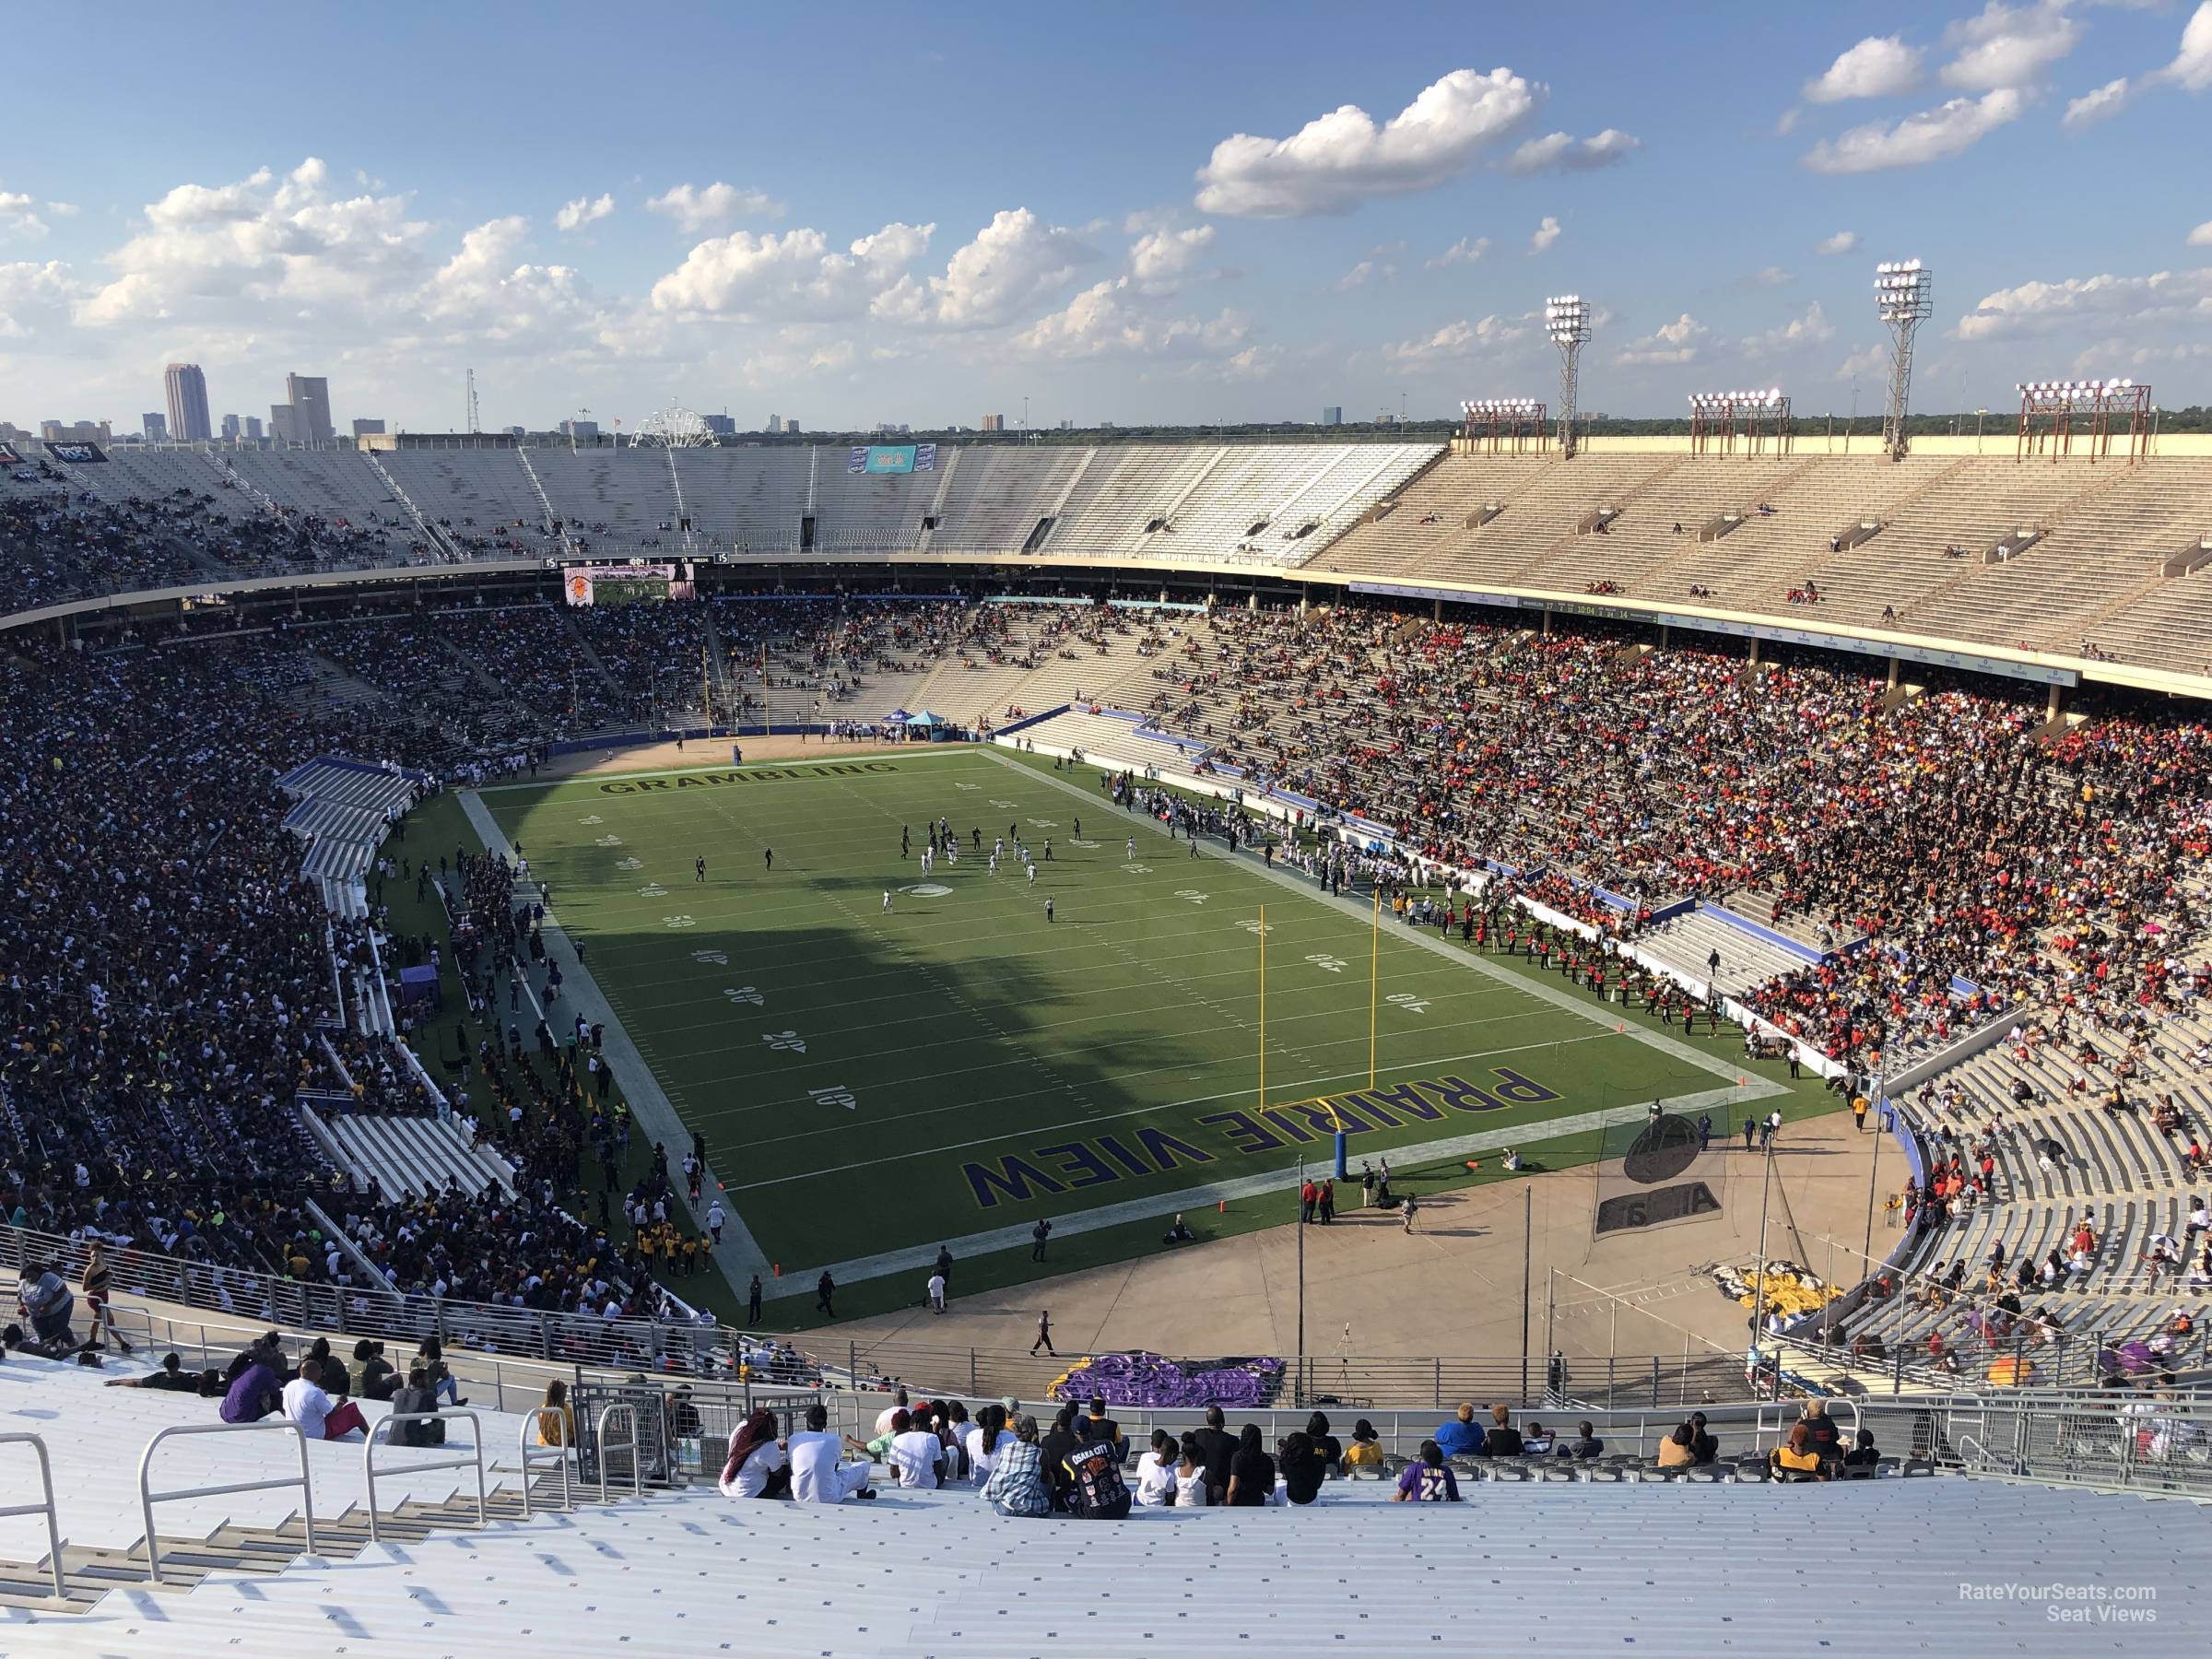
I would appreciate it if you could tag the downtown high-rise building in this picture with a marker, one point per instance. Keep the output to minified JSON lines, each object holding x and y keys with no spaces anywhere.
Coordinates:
{"x":187,"y":388}
{"x":307,"y":397}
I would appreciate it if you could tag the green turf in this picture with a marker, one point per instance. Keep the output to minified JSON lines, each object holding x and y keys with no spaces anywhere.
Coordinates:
{"x":1001,"y":1067}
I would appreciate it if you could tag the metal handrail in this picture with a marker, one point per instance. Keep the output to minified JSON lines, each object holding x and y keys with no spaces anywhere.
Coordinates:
{"x":53,"y":1530}
{"x":542,"y":1454}
{"x":147,"y":1498}
{"x":473,"y":1460}
{"x":637,"y":1462}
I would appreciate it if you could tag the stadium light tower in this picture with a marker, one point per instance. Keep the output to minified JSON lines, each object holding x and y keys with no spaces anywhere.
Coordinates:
{"x":1567,"y":320}
{"x":1904,"y":296}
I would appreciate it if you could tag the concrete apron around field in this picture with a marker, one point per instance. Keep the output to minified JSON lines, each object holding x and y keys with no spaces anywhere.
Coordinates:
{"x":739,"y":1255}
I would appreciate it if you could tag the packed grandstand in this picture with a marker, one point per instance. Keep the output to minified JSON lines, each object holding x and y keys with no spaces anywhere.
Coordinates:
{"x":1922,"y":739}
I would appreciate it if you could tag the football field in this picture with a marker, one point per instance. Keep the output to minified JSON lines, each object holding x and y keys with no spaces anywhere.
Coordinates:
{"x":874,"y":1080}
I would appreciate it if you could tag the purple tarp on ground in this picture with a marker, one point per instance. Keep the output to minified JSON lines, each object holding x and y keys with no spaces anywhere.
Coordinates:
{"x":1141,"y":1379}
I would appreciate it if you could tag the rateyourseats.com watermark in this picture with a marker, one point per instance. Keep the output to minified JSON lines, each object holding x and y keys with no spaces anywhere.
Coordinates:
{"x":2065,"y":1604}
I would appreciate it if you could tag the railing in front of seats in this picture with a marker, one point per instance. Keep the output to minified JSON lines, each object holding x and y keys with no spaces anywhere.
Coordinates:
{"x":147,"y":1496}
{"x":45,"y":1508}
{"x":607,"y":1448}
{"x":541,"y":1455}
{"x":473,"y":1460}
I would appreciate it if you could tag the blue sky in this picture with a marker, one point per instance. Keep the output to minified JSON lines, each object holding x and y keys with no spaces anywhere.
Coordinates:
{"x":1129,"y":213}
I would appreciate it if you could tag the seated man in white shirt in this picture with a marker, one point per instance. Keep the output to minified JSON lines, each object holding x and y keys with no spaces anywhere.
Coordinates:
{"x":915,"y":1456}
{"x":817,"y":1473}
{"x":308,"y":1405}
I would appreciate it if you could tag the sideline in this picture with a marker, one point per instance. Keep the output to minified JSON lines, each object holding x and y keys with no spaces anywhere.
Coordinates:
{"x":739,"y":1255}
{"x":571,"y":779}
{"x":1161,"y":1205}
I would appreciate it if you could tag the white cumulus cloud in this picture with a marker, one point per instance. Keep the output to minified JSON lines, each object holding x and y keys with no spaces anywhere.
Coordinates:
{"x":795,"y":276}
{"x":1918,"y":140}
{"x":1811,"y":329}
{"x":1878,"y":66}
{"x":1460,"y":339}
{"x":1159,"y":259}
{"x":1014,"y":262}
{"x":1338,"y":160}
{"x":2192,"y":67}
{"x":2009,"y":45}
{"x":2102,"y":104}
{"x":694,"y":209}
{"x":583,"y":211}
{"x":1677,"y":341}
{"x":1563,"y":152}
{"x":1547,"y":233}
{"x":1842,"y":242}
{"x":1466,"y":250}
{"x":1102,"y":321}
{"x":2202,"y":236}
{"x":2138,"y":306}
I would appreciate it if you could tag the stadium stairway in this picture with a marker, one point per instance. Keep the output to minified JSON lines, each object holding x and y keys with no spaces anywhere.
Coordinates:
{"x":1689,"y":941}
{"x":408,"y":1157}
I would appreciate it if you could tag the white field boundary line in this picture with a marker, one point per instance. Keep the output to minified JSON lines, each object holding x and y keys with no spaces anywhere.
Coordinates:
{"x":915,"y":1259}
{"x":1579,"y":1006}
{"x":739,"y":1255}
{"x":579,"y":779}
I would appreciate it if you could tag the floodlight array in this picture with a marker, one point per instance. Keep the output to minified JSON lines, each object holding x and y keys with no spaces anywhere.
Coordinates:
{"x":1567,"y":319}
{"x":1904,"y":290}
{"x":1524,"y":407}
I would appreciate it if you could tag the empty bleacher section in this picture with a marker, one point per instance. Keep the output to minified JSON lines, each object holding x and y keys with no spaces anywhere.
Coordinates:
{"x":483,"y":499}
{"x":612,"y":500}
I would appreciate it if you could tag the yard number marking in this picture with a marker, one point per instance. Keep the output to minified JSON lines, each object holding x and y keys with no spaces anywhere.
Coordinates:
{"x":790,"y":1041}
{"x":1252,"y":924}
{"x":1138,"y":869}
{"x":1327,"y":964}
{"x":630,"y":863}
{"x":1409,"y":1001}
{"x":678,"y":922}
{"x":1192,"y":894}
{"x":837,"y":1094}
{"x":745,"y":994}
{"x":608,"y":840}
{"x":712,"y":958}
{"x":590,"y":819}
{"x":652,"y":890}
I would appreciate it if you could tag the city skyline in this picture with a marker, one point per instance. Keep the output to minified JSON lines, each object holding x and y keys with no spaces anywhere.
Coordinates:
{"x":1158,"y":241}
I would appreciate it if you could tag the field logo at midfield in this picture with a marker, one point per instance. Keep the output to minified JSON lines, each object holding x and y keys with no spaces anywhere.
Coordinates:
{"x":1409,"y":1001}
{"x":745,"y":994}
{"x":837,"y":1094}
{"x":1099,"y":1160}
{"x":786,"y":1042}
{"x":712,"y":959}
{"x":927,"y":889}
{"x":678,"y":922}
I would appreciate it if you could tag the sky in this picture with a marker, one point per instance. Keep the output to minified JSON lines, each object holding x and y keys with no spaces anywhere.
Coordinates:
{"x":1132,"y":213}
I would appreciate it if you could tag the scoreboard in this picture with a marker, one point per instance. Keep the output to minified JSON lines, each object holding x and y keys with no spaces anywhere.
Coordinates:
{"x":631,"y":582}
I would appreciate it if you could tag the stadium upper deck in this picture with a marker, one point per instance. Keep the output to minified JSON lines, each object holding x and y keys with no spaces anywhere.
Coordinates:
{"x":2099,"y":569}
